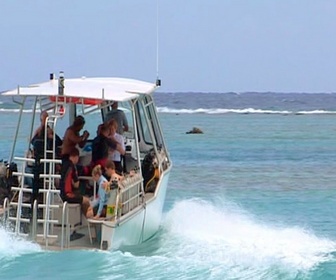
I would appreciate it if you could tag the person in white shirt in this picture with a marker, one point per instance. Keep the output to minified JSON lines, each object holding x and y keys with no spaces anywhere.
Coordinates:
{"x":116,"y":156}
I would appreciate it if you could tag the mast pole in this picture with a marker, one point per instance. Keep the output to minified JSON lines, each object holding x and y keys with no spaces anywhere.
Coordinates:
{"x":158,"y":81}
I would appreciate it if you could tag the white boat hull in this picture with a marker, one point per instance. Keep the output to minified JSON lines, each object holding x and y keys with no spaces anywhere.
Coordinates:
{"x":140,"y":224}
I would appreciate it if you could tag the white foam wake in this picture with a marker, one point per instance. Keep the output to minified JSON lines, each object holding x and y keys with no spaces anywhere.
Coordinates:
{"x":12,"y":246}
{"x":228,"y":236}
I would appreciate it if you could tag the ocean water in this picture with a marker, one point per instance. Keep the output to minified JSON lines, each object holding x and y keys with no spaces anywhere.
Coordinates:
{"x":251,"y":198}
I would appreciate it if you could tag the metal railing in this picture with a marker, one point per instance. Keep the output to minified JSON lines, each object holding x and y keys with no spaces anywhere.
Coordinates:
{"x":130,"y":195}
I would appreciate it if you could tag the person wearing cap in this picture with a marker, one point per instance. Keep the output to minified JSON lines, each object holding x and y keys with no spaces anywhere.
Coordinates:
{"x":119,"y":116}
{"x":72,"y":137}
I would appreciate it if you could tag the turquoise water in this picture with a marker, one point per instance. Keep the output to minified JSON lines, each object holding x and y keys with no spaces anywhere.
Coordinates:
{"x":251,"y":198}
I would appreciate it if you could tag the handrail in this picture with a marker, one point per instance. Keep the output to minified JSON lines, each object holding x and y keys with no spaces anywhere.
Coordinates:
{"x":65,"y":211}
{"x":116,"y":214}
{"x":34,"y":221}
{"x":46,"y":218}
{"x":18,"y":212}
{"x":67,"y":232}
{"x":6,"y":209}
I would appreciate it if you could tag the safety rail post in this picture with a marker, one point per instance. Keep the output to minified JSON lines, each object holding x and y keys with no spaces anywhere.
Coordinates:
{"x":65,"y":226}
{"x":64,"y":212}
{"x":6,"y":209}
{"x":18,"y":212}
{"x":67,"y":232}
{"x":34,"y":221}
{"x":46,"y":219}
{"x":116,"y":216}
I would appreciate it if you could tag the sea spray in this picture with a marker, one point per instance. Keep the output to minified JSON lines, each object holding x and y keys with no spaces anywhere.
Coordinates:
{"x":12,"y":246}
{"x":227,"y":235}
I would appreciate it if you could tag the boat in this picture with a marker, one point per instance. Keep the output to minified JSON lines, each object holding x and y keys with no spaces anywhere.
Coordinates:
{"x":38,"y":213}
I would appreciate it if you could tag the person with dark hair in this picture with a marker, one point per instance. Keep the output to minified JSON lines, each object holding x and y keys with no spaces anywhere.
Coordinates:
{"x":69,"y":183}
{"x":39,"y":136}
{"x":102,"y":145}
{"x":73,"y":138}
{"x":111,"y":173}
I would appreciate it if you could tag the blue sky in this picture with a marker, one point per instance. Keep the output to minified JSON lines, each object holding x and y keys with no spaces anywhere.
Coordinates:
{"x":208,"y":46}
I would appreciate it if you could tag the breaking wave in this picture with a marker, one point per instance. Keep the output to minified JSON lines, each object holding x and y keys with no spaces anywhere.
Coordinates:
{"x":239,"y":111}
{"x":234,"y":244}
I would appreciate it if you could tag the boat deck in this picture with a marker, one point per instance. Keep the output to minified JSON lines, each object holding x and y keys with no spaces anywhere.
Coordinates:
{"x":82,"y":233}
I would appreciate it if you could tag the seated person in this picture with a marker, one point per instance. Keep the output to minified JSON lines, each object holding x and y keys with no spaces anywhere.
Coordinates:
{"x":72,"y":137}
{"x":38,"y":138}
{"x":69,"y":182}
{"x":98,"y":206}
{"x":101,"y":146}
{"x":111,"y":173}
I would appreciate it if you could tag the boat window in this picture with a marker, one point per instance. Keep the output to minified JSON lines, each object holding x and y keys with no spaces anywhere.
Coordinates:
{"x":148,"y":112}
{"x":126,"y":107}
{"x":144,"y":125}
{"x":153,"y":117}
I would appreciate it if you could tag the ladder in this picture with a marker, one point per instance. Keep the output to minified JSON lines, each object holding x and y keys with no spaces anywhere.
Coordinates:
{"x":25,"y":210}
{"x":51,"y":196}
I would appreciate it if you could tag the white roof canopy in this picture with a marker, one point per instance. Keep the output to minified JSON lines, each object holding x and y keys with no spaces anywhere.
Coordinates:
{"x":117,"y":89}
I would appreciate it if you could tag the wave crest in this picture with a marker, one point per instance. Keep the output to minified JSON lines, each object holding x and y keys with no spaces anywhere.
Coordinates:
{"x":239,"y":111}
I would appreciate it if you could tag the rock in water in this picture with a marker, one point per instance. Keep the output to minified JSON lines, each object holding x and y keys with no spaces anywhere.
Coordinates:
{"x":195,"y":130}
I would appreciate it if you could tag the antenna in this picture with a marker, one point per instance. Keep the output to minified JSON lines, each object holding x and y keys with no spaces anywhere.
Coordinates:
{"x":158,"y":81}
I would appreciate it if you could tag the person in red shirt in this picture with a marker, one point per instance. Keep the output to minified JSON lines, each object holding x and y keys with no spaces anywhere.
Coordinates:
{"x":70,"y":183}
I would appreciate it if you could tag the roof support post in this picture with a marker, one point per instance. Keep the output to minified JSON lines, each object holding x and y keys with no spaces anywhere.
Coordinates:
{"x":61,"y":83}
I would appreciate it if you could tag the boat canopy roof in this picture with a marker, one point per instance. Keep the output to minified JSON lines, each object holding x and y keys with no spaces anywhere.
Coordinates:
{"x":116,"y":89}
